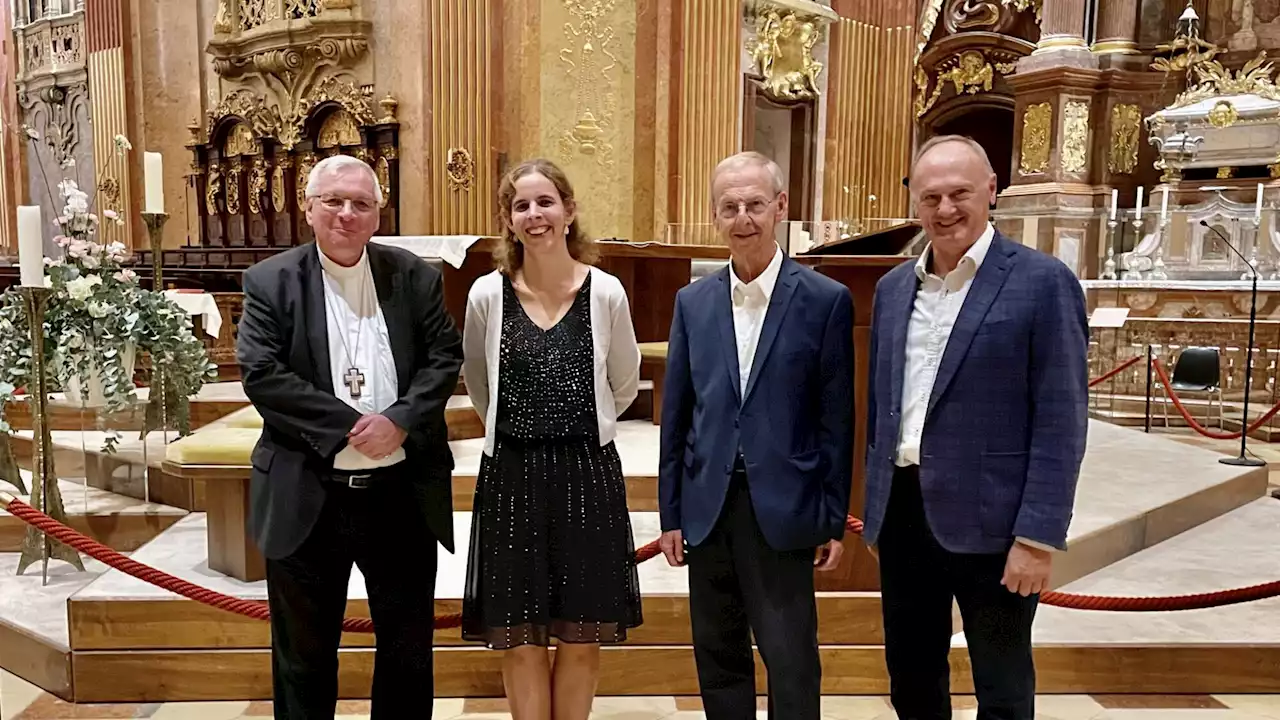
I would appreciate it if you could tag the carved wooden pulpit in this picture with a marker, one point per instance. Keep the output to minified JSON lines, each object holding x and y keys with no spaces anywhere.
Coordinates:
{"x":858,"y":263}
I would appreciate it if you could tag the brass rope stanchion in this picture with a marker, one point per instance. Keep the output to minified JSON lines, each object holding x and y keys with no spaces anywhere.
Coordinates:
{"x":45,"y":495}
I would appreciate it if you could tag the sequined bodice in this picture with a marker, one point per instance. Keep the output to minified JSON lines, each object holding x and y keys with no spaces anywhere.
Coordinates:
{"x":546,"y":382}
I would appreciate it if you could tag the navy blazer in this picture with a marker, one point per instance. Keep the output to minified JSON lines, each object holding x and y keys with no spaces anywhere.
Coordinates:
{"x":794,"y":426}
{"x":1004,"y":433}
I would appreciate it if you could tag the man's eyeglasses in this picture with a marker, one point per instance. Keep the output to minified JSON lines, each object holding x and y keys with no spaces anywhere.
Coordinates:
{"x":729,"y":209}
{"x":334,"y":203}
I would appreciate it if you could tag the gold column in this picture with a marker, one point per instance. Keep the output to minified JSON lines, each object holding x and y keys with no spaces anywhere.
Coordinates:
{"x":461,"y":83}
{"x":109,"y":107}
{"x":869,"y":122}
{"x":710,"y":111}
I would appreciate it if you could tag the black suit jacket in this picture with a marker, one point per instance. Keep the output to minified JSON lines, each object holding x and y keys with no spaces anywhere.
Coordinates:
{"x":283,"y":351}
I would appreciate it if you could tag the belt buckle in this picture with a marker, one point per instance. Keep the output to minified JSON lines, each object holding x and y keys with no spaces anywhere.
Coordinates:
{"x":359,"y":482}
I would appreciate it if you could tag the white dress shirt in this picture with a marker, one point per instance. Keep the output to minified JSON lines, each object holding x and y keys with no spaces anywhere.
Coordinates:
{"x":750,"y":304}
{"x":937,"y":306}
{"x":358,"y":338}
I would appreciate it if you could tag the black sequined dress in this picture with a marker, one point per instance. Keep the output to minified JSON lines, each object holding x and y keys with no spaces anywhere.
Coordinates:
{"x":551,"y":547}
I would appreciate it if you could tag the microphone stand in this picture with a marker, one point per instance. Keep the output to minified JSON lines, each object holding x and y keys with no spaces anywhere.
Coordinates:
{"x":1243,"y":460}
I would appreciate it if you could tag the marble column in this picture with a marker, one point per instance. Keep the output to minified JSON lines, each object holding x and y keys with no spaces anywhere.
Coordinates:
{"x":1117,"y":28}
{"x":1062,"y":24}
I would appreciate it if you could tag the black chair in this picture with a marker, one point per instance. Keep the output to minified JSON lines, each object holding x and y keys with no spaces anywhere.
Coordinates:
{"x":1197,"y":370}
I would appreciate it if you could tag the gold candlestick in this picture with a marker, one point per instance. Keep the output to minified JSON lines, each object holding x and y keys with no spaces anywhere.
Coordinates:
{"x":155,"y":227}
{"x":45,"y":495}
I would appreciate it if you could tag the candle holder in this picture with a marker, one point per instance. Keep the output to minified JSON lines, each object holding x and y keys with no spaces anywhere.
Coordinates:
{"x":1109,"y":267}
{"x":1129,"y":272}
{"x":155,"y":232}
{"x":45,"y":495}
{"x":1157,"y":265}
{"x":1254,"y":267}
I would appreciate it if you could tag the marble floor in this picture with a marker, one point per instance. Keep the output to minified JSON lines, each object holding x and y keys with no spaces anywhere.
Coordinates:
{"x":21,"y":701}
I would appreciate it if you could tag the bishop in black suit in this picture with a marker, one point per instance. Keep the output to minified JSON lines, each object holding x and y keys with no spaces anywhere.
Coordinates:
{"x":347,"y":352}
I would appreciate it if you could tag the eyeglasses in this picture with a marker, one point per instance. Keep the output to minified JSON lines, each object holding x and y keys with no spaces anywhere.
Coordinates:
{"x":729,"y":209}
{"x":333,"y":203}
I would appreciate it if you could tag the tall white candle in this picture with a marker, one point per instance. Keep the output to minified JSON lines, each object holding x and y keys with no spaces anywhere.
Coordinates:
{"x":1115,"y":198}
{"x":153,"y":168}
{"x":1164,"y":203}
{"x":30,"y":246}
{"x":1137,"y":210}
{"x":1257,"y":204}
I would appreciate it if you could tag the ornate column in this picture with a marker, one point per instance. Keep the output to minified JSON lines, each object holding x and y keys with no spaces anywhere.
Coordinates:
{"x":1062,"y":24}
{"x":1117,"y":28}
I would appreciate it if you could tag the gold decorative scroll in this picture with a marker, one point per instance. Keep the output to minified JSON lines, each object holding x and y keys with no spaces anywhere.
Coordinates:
{"x":339,"y":128}
{"x":928,"y":19}
{"x":782,"y":52}
{"x":1126,"y":129}
{"x":277,"y":188}
{"x":305,"y":163}
{"x":233,"y":190}
{"x":461,"y":169}
{"x":212,"y":188}
{"x":1037,"y":5}
{"x":1075,"y":144}
{"x":257,"y":186}
{"x":1037,"y":120}
{"x":971,"y":15}
{"x":383,"y":171}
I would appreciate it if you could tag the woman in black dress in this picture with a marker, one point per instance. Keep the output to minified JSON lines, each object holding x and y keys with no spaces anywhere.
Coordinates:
{"x":551,"y":361}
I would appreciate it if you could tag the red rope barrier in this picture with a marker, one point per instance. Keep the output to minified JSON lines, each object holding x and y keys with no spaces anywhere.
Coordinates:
{"x":1115,"y":371}
{"x":259,"y":610}
{"x":1191,"y":421}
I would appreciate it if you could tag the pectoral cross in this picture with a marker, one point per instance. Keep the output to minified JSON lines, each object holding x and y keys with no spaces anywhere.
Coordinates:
{"x":355,"y":381}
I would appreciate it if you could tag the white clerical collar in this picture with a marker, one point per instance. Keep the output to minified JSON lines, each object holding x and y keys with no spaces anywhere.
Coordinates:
{"x":341,"y":272}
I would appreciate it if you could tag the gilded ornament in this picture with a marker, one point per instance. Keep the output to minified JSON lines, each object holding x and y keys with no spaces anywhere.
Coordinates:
{"x":1223,"y":115}
{"x":222,"y":19}
{"x":109,"y":189}
{"x":589,"y":62}
{"x":1036,"y":123}
{"x":389,"y":107}
{"x":928,"y":19}
{"x":782,"y":52}
{"x":969,"y":72}
{"x":277,"y":188}
{"x":305,"y":163}
{"x":383,"y":171}
{"x":1075,"y":145}
{"x":212,"y":188}
{"x":1215,"y":81}
{"x":1126,"y":130}
{"x":460,"y":168}
{"x":240,"y":141}
{"x":1274,"y":170}
{"x":264,"y":121}
{"x":1024,"y":5}
{"x":193,"y":128}
{"x":971,"y":15}
{"x":1226,"y":173}
{"x":257,"y":186}
{"x":339,"y":129}
{"x":233,"y":190}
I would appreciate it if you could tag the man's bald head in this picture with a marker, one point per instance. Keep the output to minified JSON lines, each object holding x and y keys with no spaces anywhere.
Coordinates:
{"x":979,"y":152}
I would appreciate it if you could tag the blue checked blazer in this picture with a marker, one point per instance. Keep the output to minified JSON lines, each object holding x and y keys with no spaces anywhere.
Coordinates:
{"x":1004,"y":432}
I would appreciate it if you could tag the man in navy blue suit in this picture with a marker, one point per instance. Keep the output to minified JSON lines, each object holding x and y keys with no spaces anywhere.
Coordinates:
{"x":756,"y":455}
{"x":976,"y":430}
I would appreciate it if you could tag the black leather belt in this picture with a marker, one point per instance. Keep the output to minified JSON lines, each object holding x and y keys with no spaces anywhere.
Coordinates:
{"x":361,"y":479}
